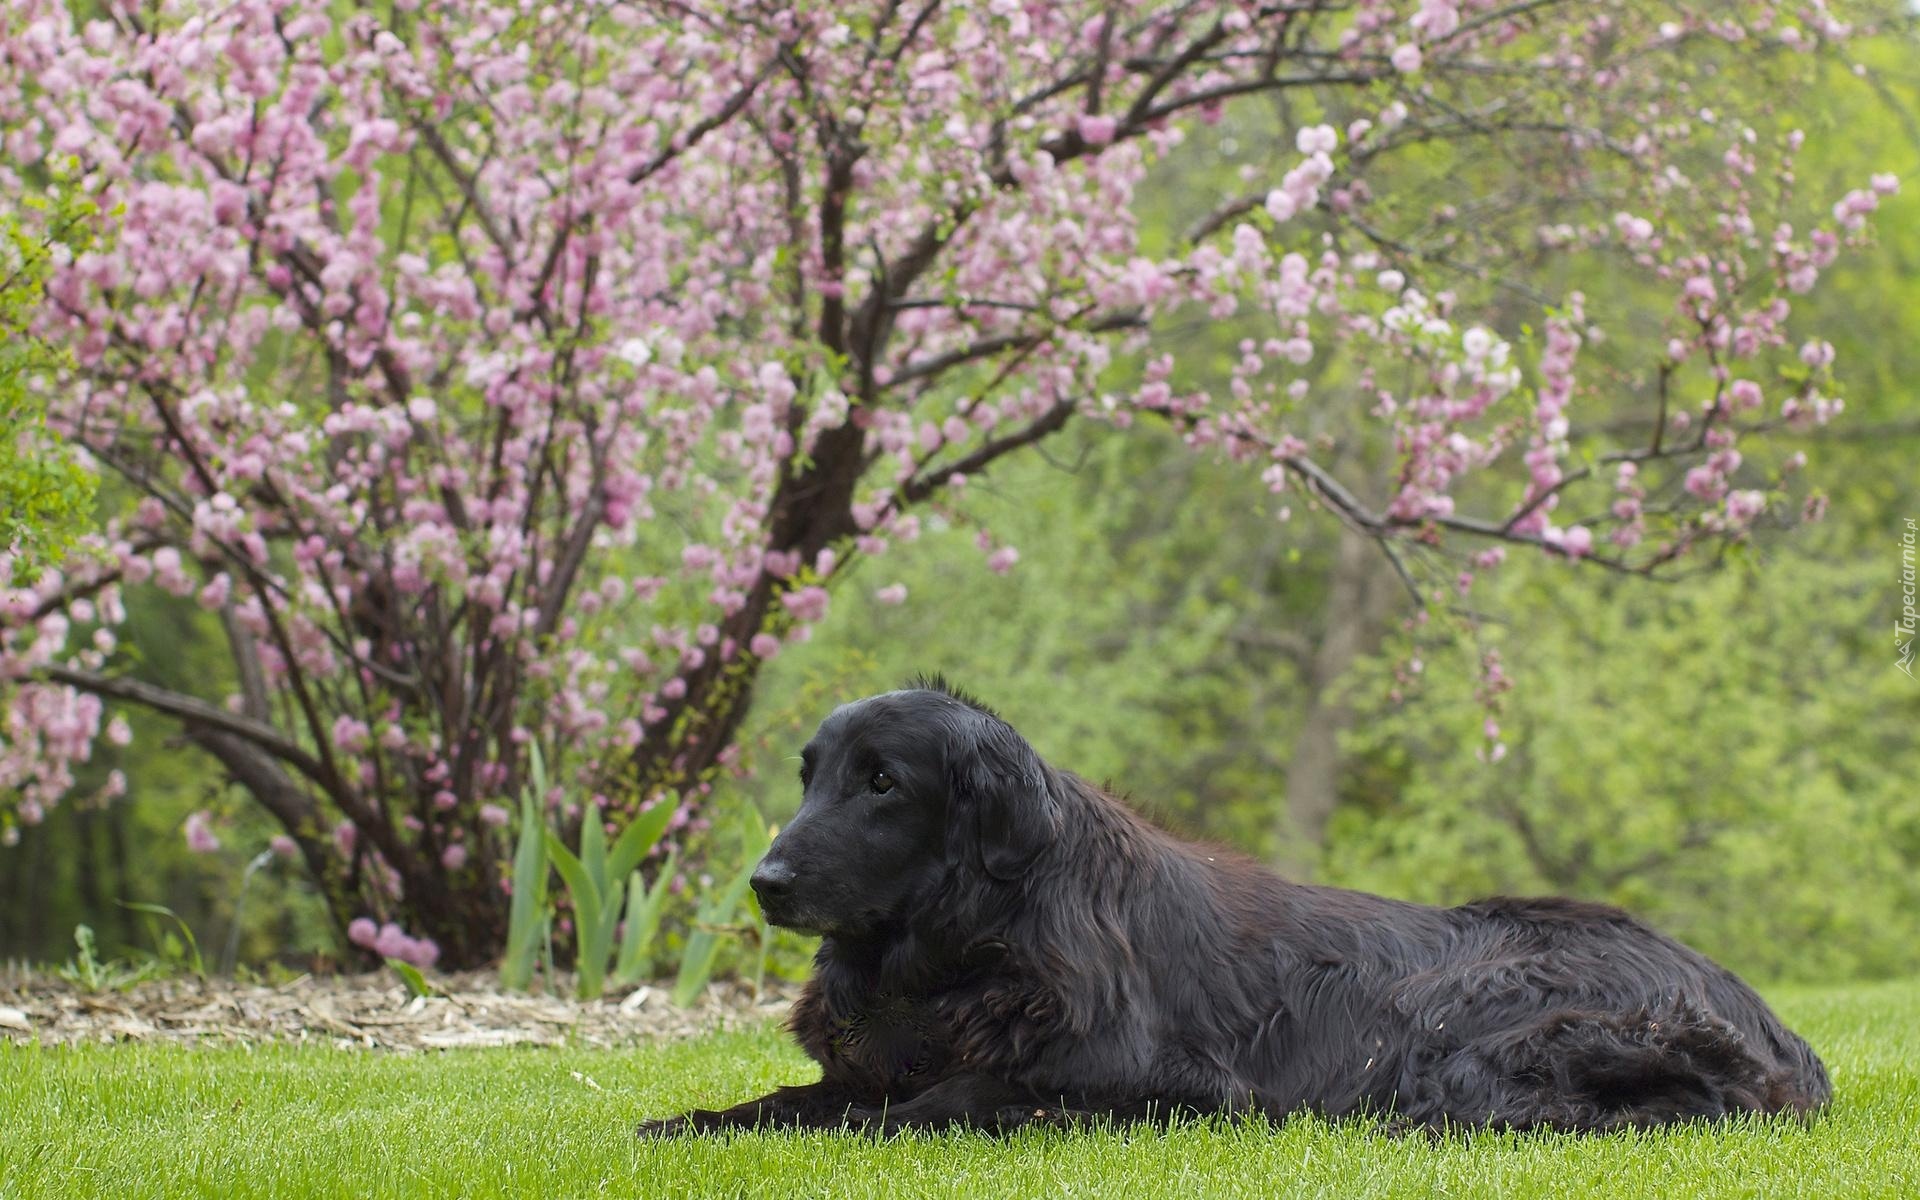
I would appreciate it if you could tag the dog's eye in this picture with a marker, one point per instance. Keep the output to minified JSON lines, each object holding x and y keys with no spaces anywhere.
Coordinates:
{"x":881,"y":783}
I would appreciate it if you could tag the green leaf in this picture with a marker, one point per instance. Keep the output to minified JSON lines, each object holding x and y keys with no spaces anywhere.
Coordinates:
{"x":546,"y":945}
{"x":410,"y":975}
{"x":572,"y":872}
{"x":593,"y":847}
{"x":587,"y":914}
{"x":639,"y":837}
{"x":644,"y":910}
{"x":696,"y":961}
{"x":160,"y":910}
{"x":596,"y":944}
{"x":529,"y":898}
{"x":755,"y":835}
{"x":696,"y":965}
{"x":537,"y":771}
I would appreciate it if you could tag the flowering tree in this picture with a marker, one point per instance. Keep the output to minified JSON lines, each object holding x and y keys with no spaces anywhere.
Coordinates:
{"x":504,"y":374}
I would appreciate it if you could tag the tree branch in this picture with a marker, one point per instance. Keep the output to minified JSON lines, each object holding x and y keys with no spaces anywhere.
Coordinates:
{"x":988,"y":347}
{"x":926,"y":483}
{"x":258,"y":770}
{"x":193,"y":711}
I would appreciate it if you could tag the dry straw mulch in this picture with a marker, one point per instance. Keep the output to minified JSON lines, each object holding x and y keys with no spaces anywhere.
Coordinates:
{"x":372,"y":1011}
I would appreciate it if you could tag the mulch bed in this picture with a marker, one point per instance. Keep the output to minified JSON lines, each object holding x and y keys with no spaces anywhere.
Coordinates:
{"x":372,"y":1011}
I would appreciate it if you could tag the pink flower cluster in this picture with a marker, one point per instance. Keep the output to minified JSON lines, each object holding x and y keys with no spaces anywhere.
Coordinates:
{"x":199,"y":832}
{"x":390,"y":941}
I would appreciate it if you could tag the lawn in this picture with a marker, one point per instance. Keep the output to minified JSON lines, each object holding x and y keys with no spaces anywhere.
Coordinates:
{"x":132,"y":1121}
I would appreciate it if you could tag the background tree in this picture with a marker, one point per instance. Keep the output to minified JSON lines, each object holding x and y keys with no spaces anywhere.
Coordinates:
{"x":492,"y":378}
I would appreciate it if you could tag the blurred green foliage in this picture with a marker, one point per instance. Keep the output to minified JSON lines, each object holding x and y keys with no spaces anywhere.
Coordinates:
{"x":1731,"y":760}
{"x":45,"y":492}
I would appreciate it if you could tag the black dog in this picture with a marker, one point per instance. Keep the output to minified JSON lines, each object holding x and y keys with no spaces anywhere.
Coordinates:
{"x":1004,"y":944}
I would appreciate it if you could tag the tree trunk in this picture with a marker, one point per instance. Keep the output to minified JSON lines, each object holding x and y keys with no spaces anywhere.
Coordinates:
{"x":1359,"y":593}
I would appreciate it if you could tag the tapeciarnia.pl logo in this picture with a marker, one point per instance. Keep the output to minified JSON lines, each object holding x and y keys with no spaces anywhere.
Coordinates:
{"x":1903,"y":626}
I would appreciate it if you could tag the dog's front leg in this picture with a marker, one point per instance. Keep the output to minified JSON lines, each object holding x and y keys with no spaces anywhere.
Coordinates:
{"x":990,"y":1105}
{"x":820,"y":1105}
{"x":967,"y":1101}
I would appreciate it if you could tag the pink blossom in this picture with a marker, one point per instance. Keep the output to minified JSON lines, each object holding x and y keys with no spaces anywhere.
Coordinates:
{"x":391,"y":942}
{"x":494,"y":815}
{"x":1851,"y":210}
{"x":284,"y":846}
{"x":808,"y":604}
{"x":1436,"y":18}
{"x":351,"y":733}
{"x":1316,"y":139}
{"x":1705,"y":483}
{"x":893,"y":593}
{"x":1700,"y":287}
{"x":361,"y":931}
{"x":1097,"y":130}
{"x":199,"y":831}
{"x":1744,"y":506}
{"x":1406,"y":58}
{"x":1001,"y":561}
{"x":454,"y":857}
{"x":1634,"y":229}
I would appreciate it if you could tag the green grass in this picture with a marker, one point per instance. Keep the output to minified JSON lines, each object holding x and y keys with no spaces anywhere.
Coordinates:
{"x":132,"y":1121}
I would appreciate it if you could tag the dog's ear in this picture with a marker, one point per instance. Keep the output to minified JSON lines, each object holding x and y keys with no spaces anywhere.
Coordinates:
{"x":1003,"y":813}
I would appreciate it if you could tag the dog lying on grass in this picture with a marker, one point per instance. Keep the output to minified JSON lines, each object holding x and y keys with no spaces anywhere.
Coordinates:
{"x":1004,"y":944}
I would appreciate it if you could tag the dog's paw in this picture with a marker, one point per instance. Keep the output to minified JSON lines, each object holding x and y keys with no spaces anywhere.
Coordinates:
{"x":665,"y":1127}
{"x":1399,"y":1128}
{"x":1026,"y":1116}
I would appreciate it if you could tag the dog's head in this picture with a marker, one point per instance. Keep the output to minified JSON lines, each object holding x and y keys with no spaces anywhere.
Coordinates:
{"x":903,"y":791}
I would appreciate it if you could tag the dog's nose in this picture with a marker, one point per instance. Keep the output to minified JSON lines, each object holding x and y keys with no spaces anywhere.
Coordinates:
{"x":772,"y":880}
